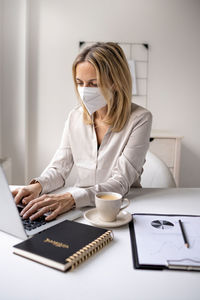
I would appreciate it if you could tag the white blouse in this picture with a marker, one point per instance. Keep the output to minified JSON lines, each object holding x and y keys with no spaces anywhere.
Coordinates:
{"x":115,"y":167}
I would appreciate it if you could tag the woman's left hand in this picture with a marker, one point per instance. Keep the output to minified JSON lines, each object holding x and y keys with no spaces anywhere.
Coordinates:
{"x":55,"y":204}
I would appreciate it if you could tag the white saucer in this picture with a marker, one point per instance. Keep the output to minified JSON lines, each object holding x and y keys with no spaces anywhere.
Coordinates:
{"x":123,"y":218}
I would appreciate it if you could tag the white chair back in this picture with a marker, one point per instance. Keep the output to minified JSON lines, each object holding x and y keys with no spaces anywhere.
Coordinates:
{"x":156,"y":174}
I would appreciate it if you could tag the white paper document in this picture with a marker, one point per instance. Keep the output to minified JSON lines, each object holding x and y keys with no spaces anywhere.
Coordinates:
{"x":160,"y":241}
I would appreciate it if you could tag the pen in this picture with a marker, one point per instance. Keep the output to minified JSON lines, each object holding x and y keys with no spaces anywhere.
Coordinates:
{"x":183,"y":234}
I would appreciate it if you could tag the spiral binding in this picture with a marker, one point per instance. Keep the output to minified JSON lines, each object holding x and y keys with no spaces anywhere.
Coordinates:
{"x":87,"y":251}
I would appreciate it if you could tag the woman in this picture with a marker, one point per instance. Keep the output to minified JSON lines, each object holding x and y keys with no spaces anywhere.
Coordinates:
{"x":106,"y":138}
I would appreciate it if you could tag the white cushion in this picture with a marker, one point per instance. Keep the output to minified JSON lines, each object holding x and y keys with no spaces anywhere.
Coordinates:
{"x":156,"y":173}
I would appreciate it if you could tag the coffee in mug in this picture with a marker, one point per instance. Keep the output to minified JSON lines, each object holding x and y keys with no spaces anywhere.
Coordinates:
{"x":108,"y":197}
{"x":109,"y":205}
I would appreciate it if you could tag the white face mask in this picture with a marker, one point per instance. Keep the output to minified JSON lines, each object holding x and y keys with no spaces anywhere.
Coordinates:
{"x":92,"y":98}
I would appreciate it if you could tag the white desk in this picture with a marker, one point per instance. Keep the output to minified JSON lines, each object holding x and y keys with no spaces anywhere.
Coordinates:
{"x":109,"y":274}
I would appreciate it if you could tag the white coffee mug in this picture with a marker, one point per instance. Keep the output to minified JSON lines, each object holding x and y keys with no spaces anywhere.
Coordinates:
{"x":109,"y":205}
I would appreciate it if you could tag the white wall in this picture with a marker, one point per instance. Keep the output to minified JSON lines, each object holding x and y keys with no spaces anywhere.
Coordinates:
{"x":51,"y":52}
{"x":13,"y":39}
{"x":1,"y":14}
{"x":172,"y":30}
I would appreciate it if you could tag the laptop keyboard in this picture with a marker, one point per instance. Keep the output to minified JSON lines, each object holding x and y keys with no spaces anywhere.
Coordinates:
{"x":28,"y":224}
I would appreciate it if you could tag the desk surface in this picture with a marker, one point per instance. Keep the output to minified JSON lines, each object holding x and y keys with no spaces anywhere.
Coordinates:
{"x":109,"y":274}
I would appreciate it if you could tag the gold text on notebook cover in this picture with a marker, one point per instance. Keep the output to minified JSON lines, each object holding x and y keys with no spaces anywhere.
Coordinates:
{"x":56,"y":244}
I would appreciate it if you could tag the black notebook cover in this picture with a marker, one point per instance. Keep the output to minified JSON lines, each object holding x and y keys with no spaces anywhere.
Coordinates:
{"x":64,"y":245}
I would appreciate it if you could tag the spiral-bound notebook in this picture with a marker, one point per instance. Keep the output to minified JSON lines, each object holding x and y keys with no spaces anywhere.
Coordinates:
{"x":65,"y":245}
{"x":159,"y":242}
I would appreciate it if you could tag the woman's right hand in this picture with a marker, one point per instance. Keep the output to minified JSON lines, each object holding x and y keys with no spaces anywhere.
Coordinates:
{"x":27,"y":193}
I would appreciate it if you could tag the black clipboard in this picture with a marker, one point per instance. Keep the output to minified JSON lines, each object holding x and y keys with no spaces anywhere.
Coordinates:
{"x":136,"y":263}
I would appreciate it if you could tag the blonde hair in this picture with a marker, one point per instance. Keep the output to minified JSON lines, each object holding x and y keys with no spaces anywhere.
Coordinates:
{"x":114,"y":80}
